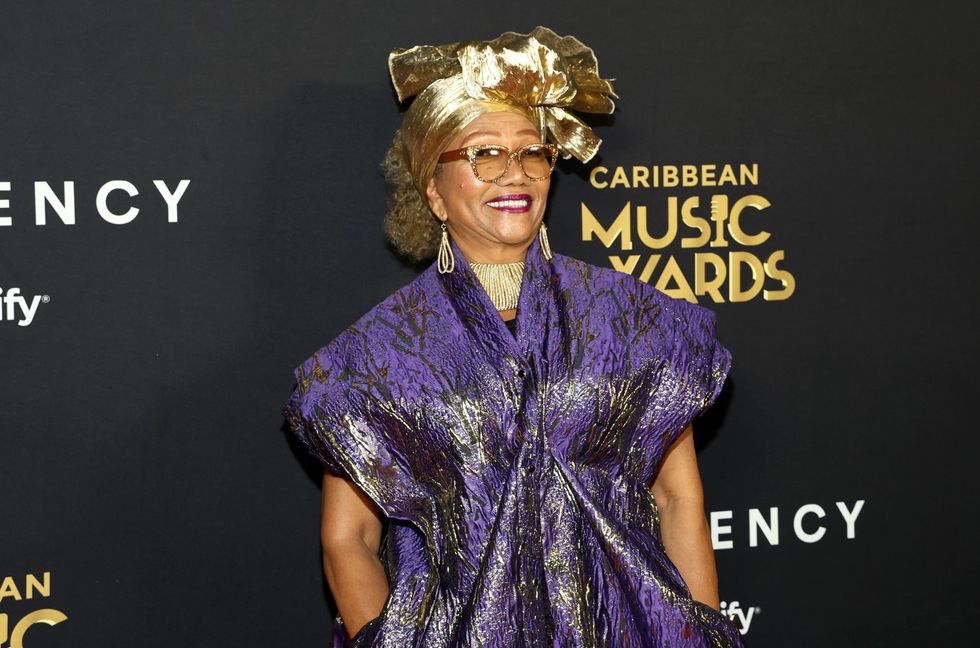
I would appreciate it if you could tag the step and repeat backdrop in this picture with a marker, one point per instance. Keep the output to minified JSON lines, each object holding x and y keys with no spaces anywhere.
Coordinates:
{"x":191,"y":203}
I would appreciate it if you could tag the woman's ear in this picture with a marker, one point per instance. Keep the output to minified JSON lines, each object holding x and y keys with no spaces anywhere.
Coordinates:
{"x":436,"y":203}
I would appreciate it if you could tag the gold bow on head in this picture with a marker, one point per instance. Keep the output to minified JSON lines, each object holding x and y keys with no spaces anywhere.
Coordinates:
{"x":540,"y":73}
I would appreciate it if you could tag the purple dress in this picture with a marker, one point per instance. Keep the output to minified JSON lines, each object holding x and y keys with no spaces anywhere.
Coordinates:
{"x":515,"y":470}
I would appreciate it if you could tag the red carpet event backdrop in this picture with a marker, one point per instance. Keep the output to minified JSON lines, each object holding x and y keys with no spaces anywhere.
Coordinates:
{"x":191,"y":203}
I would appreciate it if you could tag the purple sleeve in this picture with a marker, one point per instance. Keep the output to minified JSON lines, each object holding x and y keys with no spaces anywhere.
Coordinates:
{"x":310,"y":433}
{"x":352,"y":430}
{"x":698,"y":362}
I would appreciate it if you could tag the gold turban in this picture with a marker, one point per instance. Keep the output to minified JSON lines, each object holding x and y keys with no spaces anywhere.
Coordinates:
{"x":540,"y":75}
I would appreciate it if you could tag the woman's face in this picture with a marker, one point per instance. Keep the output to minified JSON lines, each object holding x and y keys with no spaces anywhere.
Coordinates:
{"x":485,"y":229}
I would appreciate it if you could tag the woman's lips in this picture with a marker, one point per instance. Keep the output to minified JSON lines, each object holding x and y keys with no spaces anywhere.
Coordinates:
{"x":514,"y":203}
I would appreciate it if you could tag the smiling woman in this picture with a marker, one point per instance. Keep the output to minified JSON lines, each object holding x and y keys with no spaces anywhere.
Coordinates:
{"x":527,"y":487}
{"x":491,"y":222}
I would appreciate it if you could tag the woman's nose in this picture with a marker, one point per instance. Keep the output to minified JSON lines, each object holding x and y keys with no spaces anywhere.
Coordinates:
{"x":513,"y":175}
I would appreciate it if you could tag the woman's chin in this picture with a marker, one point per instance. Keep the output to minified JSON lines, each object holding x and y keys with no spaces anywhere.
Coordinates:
{"x":516,"y":237}
{"x":519,"y":228}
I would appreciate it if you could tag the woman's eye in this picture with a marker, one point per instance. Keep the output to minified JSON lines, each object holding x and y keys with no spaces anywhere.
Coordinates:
{"x":486,"y":153}
{"x":538,"y":155}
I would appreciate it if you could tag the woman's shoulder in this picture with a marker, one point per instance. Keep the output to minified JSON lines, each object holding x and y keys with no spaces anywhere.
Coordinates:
{"x":604,"y":280}
{"x":374,"y":328}
{"x":598,"y":277}
{"x":623,"y":291}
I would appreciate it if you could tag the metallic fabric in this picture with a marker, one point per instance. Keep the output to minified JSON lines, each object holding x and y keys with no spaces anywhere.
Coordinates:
{"x":540,"y":75}
{"x":515,"y":470}
{"x":502,"y":281}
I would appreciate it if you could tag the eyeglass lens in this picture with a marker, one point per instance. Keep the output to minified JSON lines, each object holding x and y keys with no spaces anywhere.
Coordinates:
{"x":491,"y":163}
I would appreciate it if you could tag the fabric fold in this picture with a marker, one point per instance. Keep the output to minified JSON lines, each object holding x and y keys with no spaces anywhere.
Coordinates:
{"x":515,"y":468}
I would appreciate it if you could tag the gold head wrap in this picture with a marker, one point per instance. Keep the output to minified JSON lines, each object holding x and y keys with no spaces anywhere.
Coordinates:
{"x":540,"y":75}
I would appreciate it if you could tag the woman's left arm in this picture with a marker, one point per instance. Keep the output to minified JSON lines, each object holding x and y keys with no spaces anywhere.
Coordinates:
{"x":683,"y":525}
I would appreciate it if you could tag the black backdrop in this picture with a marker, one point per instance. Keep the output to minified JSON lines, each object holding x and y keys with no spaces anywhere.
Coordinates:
{"x":150,"y":491}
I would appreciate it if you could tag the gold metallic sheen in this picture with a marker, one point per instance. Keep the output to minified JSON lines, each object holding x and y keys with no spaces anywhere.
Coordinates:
{"x":502,"y":281}
{"x":540,"y":75}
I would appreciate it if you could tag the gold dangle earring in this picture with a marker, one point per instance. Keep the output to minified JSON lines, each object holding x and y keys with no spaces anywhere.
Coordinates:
{"x":447,"y":262}
{"x":543,"y":236}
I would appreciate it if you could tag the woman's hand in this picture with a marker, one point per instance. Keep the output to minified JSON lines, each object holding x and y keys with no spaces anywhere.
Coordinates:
{"x":683,"y":525}
{"x":350,"y":535}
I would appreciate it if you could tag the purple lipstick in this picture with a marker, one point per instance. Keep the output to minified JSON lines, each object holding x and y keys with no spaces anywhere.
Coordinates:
{"x":513,"y":203}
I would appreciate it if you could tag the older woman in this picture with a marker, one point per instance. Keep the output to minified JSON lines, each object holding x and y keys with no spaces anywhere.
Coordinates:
{"x":507,"y":440}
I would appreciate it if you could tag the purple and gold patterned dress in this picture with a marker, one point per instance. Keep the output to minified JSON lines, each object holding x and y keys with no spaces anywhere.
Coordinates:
{"x":515,"y":469}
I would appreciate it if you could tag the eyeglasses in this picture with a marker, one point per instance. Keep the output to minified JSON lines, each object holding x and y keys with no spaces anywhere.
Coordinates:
{"x":490,"y":162}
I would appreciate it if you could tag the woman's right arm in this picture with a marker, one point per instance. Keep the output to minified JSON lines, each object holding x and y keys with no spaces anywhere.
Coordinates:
{"x":350,"y":535}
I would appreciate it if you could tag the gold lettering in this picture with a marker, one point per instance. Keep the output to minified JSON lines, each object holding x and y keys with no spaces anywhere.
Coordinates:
{"x":672,"y":272}
{"x":8,"y":589}
{"x":644,"y":234}
{"x":628,"y":266}
{"x":783,"y":276}
{"x":734,"y":224}
{"x":34,"y":585}
{"x":727,"y":176}
{"x":703,"y":285}
{"x":648,"y":269}
{"x":620,"y":228}
{"x":708,"y":175}
{"x":690,"y":175}
{"x":641,"y":177}
{"x":691,"y":220}
{"x":719,"y":214}
{"x":593,"y":177}
{"x":620,"y":179}
{"x":735,"y":261}
{"x":669,"y":175}
{"x":711,"y":283}
{"x":46,"y":616}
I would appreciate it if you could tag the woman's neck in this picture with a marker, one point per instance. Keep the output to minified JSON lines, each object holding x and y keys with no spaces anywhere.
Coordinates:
{"x":484,"y":253}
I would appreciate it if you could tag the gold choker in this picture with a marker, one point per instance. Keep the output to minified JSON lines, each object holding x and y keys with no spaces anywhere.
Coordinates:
{"x":502,"y":281}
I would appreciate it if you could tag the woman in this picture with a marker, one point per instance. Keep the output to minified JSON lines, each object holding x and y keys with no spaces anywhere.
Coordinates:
{"x":535,"y":486}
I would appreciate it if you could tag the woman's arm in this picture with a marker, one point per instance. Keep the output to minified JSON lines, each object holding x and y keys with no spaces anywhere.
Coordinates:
{"x":683,"y":525}
{"x":350,"y":534}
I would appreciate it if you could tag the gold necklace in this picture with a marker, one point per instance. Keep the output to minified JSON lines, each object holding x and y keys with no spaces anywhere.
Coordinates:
{"x":502,"y":281}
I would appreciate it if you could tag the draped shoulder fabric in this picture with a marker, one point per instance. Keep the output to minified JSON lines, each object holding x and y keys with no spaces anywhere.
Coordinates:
{"x":515,"y":469}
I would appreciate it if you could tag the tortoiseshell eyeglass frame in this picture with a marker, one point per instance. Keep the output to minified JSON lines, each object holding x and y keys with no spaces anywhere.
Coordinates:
{"x":469,"y":153}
